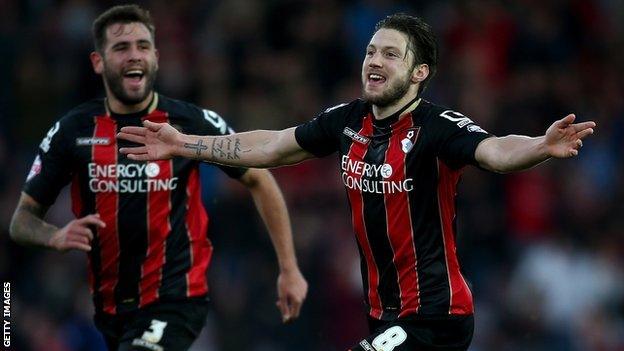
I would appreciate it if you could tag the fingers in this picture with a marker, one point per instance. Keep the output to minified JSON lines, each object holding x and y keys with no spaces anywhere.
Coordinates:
{"x":295,"y":308}
{"x":152,"y":125}
{"x":140,"y":157}
{"x":77,"y":245}
{"x":80,"y":235}
{"x":133,"y":150}
{"x":135,"y":138}
{"x":75,"y":237}
{"x":282,"y":305}
{"x":133,"y":130}
{"x":290,"y":307}
{"x":584,"y":133}
{"x":566,"y":121}
{"x":93,"y":219}
{"x":81,"y":232}
{"x":582,"y":126}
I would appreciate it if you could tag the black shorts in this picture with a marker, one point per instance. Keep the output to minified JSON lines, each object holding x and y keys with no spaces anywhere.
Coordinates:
{"x":447,"y":334}
{"x":161,"y":326}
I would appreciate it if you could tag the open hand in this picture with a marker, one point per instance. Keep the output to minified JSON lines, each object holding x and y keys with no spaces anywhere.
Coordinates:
{"x":158,"y":141}
{"x":564,"y":139}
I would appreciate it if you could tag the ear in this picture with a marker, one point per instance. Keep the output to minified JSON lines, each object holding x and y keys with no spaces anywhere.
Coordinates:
{"x":97,"y":62}
{"x":157,"y":53}
{"x":420,"y":73}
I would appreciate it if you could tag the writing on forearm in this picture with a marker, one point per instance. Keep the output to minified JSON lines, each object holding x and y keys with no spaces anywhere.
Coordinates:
{"x":226,"y":148}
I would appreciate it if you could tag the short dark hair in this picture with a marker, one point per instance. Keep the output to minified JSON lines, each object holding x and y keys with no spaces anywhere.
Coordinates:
{"x":119,"y":14}
{"x":421,"y":40}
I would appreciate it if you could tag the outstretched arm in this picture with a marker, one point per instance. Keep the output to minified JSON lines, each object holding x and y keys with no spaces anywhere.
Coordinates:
{"x":259,"y":149}
{"x":28,"y":227}
{"x":292,"y":288}
{"x":511,"y":153}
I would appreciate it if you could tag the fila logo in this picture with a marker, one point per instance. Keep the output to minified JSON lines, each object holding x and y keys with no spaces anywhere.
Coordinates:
{"x":92,"y":141}
{"x":355,"y":136}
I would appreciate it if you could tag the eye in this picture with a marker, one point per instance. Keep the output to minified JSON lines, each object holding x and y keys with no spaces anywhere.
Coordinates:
{"x":144,"y":45}
{"x":119,"y":47}
{"x":392,"y":54}
{"x":369,"y":52}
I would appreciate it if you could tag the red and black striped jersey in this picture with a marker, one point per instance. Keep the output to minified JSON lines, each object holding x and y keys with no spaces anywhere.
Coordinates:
{"x":400,"y":174}
{"x":155,"y":245}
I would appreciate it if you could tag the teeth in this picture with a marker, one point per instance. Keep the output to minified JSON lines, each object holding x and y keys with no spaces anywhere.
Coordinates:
{"x":375,"y":76}
{"x":134,"y":71}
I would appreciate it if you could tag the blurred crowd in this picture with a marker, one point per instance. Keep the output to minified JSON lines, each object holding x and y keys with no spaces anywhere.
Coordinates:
{"x":543,"y":250}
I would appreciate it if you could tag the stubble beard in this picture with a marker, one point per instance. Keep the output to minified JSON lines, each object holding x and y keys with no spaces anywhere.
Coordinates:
{"x":114,"y":80}
{"x":393,"y":94}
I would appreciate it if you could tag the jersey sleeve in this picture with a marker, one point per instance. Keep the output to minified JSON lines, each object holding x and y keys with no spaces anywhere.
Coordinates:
{"x":212,"y":123}
{"x":458,"y":138}
{"x":52,"y":168}
{"x":321,"y":135}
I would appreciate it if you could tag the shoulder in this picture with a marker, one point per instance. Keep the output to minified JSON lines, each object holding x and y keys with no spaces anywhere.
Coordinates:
{"x":193,"y":118}
{"x":432,"y":110}
{"x":78,"y":118}
{"x":444,"y":121}
{"x":84,"y":112}
{"x":178,"y":107}
{"x":71,"y":122}
{"x":443,"y":115}
{"x":345,"y":112}
{"x":347,"y":108}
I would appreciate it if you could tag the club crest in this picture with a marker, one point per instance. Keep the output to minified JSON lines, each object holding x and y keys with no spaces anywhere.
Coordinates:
{"x":410,"y":139}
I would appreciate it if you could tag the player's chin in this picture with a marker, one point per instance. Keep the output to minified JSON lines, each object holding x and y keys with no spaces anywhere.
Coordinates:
{"x":371,"y":95}
{"x":135,"y":96}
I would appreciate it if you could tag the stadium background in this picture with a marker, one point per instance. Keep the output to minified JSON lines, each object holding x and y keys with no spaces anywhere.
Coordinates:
{"x":542,"y":249}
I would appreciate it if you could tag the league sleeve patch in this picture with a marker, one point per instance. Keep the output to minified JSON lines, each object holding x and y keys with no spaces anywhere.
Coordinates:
{"x":462,"y":121}
{"x":35,"y":168}
{"x":217,"y":122}
{"x":45,"y":143}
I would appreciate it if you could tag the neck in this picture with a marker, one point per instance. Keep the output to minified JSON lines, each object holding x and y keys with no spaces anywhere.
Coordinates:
{"x":118,"y":107}
{"x":387,"y":111}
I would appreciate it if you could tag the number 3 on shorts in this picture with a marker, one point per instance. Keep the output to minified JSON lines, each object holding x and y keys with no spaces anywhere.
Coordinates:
{"x":389,"y":339}
{"x":155,"y":331}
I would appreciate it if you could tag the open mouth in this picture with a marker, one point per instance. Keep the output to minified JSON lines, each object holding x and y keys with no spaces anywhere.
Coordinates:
{"x":134,"y":75}
{"x":375,"y":78}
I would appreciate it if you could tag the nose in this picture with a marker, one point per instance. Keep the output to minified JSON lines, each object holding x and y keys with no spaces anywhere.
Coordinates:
{"x":375,"y":60}
{"x":134,"y":54}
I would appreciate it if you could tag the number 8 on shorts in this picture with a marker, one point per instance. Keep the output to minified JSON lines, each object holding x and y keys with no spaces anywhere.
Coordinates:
{"x":389,"y":339}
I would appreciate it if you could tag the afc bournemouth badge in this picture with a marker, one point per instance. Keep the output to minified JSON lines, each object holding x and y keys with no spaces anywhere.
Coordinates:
{"x":410,"y":139}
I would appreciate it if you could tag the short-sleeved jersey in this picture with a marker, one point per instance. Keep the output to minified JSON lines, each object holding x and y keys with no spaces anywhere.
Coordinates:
{"x":400,"y":174}
{"x":155,"y":245}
